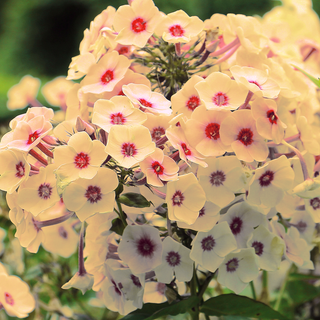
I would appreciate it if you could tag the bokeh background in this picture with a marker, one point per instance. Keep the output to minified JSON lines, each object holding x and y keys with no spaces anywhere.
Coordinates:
{"x":39,"y":37}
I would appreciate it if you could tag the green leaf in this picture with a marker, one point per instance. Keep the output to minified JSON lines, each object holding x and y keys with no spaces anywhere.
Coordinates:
{"x":132,"y":199}
{"x":298,"y":276}
{"x":301,"y":291}
{"x":313,"y":79}
{"x":152,"y":311}
{"x":117,"y":226}
{"x":232,"y":304}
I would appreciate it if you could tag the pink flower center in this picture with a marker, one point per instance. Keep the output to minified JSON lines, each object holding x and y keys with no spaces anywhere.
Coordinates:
{"x":245,"y":136}
{"x":138,"y":25}
{"x":20,"y":170}
{"x":256,"y":83}
{"x":81,"y":160}
{"x":272,"y":117}
{"x":157,"y":167}
{"x":258,"y":247}
{"x":315,"y":203}
{"x":193,"y":103}
{"x":128,"y":149}
{"x":117,"y":118}
{"x":93,"y":194}
{"x":186,"y":150}
{"x":63,"y":232}
{"x":45,"y":191}
{"x":176,"y":31}
{"x":232,"y":265}
{"x":173,"y":258}
{"x":202,"y":212}
{"x":157,"y":133}
{"x":145,"y":103}
{"x":146,"y":247}
{"x":266,"y":178}
{"x":217,"y":178}
{"x":32,"y":137}
{"x":177,"y":198}
{"x":9,"y":299}
{"x":107,"y":77}
{"x":212,"y":131}
{"x":236,"y":225}
{"x":208,"y":243}
{"x":220,"y":99}
{"x":135,"y":281}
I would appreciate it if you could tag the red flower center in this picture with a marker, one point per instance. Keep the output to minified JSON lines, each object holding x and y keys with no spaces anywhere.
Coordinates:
{"x":232,"y":265}
{"x":9,"y":299}
{"x":315,"y":203}
{"x":177,"y":198}
{"x":32,"y":137}
{"x":173,"y":258}
{"x":146,"y":247}
{"x":245,"y":136}
{"x":93,"y":194}
{"x":202,"y":212}
{"x":212,"y":131}
{"x":258,"y":247}
{"x":81,"y":160}
{"x":157,"y":167}
{"x":123,"y":50}
{"x":157,"y":133}
{"x":107,"y":77}
{"x":138,"y":25}
{"x":220,"y":99}
{"x":266,"y":178}
{"x":128,"y":149}
{"x":236,"y":225}
{"x":186,"y":150}
{"x":145,"y":103}
{"x":117,"y":118}
{"x":45,"y":191}
{"x":193,"y":103}
{"x":272,"y":117}
{"x":217,"y":178}
{"x":20,"y":170}
{"x":207,"y":243}
{"x":176,"y":30}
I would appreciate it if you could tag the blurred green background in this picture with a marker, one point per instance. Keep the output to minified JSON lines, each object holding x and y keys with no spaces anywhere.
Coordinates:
{"x":39,"y":37}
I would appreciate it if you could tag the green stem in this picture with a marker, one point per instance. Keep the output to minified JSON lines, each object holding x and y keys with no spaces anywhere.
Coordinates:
{"x":281,"y":292}
{"x":121,"y":214}
{"x":265,"y":280}
{"x":193,"y":288}
{"x":253,"y":290}
{"x":205,"y":284}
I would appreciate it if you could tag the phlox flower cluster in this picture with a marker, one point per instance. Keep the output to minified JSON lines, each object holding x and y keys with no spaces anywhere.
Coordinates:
{"x":197,"y":138}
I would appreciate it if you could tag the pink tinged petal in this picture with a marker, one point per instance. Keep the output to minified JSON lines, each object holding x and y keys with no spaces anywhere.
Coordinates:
{"x":229,"y":130}
{"x":284,"y":178}
{"x":105,"y":204}
{"x":211,"y":261}
{"x":264,"y":127}
{"x":241,"y":151}
{"x":271,"y":196}
{"x":259,"y":150}
{"x":248,"y":267}
{"x":64,"y":154}
{"x":73,"y":197}
{"x":81,"y":142}
{"x":230,"y":279}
